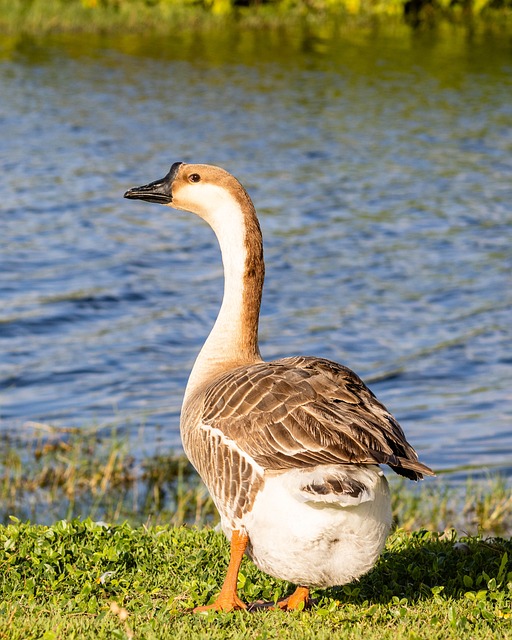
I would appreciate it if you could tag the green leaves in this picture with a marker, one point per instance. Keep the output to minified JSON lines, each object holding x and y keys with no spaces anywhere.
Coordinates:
{"x":75,"y":575}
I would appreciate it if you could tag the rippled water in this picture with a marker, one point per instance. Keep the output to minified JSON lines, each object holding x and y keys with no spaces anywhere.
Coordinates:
{"x":381,"y":169}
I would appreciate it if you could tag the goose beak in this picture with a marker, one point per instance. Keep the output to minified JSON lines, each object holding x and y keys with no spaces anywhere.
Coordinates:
{"x":159,"y":191}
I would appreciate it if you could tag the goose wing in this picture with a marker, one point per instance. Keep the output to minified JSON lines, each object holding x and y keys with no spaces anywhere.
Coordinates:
{"x":302,"y":412}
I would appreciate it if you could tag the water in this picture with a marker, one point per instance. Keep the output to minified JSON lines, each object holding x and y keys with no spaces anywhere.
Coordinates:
{"x":380,"y":165}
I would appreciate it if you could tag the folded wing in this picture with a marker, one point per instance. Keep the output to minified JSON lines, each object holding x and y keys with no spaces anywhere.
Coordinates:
{"x":304,"y":411}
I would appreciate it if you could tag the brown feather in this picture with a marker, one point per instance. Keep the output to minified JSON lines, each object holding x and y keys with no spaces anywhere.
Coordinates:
{"x":304,"y":411}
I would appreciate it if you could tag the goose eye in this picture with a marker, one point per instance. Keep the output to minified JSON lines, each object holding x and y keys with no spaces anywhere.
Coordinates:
{"x":194,"y":177}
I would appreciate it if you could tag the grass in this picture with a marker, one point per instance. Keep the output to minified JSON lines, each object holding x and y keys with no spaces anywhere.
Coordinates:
{"x":51,"y":474}
{"x":136,"y":567}
{"x":80,"y":579}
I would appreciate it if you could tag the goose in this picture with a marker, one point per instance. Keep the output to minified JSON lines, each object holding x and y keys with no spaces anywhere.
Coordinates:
{"x":290,"y":449}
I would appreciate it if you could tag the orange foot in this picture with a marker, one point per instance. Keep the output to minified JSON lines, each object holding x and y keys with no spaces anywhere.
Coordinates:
{"x":298,"y":600}
{"x":229,"y":602}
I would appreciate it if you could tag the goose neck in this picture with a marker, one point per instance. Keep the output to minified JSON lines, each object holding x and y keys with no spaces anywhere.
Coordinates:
{"x":233,"y":341}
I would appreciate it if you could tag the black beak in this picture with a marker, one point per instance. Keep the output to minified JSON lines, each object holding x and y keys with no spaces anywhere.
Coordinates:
{"x":159,"y":191}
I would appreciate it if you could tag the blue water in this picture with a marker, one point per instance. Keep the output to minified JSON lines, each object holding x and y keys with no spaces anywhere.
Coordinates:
{"x":380,"y":165}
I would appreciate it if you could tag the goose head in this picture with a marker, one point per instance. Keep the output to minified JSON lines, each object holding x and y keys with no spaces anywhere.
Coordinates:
{"x":206,"y":190}
{"x":216,"y":196}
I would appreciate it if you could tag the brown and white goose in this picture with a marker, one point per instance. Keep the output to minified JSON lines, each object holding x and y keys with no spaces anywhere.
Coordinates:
{"x":288,"y":449}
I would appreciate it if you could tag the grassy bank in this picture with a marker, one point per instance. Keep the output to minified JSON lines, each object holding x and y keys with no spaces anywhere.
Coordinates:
{"x":143,"y":16}
{"x":81,"y":579}
{"x":139,"y":578}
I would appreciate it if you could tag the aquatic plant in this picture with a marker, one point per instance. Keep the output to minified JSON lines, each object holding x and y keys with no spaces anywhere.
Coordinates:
{"x":54,"y":473}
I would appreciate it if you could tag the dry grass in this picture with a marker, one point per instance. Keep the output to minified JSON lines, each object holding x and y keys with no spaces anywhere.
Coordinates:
{"x":63,"y":473}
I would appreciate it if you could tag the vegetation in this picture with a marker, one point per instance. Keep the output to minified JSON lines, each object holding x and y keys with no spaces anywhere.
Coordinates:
{"x":110,"y":576}
{"x":51,"y":474}
{"x":81,"y":579}
{"x":42,"y":16}
{"x":67,"y":473}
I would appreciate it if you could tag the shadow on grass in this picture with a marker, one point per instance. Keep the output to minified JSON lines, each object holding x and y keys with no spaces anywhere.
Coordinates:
{"x":414,"y":568}
{"x":421,"y":565}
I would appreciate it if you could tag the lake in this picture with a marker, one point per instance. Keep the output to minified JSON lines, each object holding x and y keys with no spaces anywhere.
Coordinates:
{"x":380,"y":163}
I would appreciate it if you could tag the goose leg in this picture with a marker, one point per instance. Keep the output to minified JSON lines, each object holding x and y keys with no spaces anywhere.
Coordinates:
{"x":299,"y":597}
{"x":227,"y":600}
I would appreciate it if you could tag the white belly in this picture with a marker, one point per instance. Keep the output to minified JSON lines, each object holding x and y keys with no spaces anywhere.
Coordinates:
{"x":318,"y":540}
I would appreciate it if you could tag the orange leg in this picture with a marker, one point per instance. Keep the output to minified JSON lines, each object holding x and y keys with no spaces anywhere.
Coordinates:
{"x":227,"y":600}
{"x":299,"y":597}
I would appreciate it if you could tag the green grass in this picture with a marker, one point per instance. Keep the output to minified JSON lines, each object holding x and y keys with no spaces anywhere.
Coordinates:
{"x":80,"y":579}
{"x":140,"y":576}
